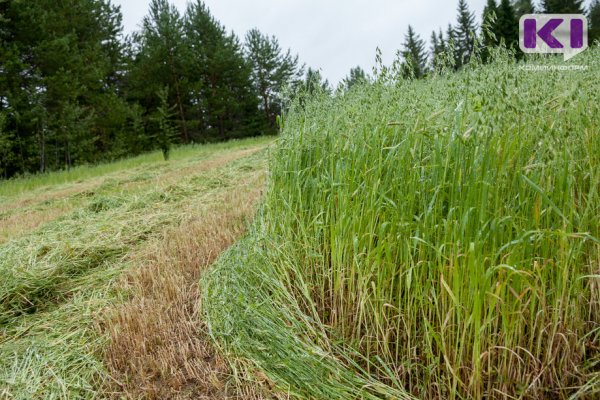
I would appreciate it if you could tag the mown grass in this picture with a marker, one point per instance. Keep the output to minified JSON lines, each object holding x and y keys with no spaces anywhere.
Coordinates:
{"x":436,"y":239}
{"x":82,"y":173}
{"x":61,"y":279}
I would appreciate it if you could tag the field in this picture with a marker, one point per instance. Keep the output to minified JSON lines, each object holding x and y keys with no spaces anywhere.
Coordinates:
{"x":430,"y":239}
{"x":433,"y":239}
{"x":100,"y":269}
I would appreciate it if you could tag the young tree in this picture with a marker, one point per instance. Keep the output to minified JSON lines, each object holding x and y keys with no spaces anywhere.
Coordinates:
{"x":414,"y":55}
{"x":272,"y":70}
{"x":465,"y":33}
{"x":594,"y":18}
{"x":312,"y":84}
{"x":163,"y":116}
{"x":523,"y":7}
{"x":562,"y":6}
{"x":436,"y":50}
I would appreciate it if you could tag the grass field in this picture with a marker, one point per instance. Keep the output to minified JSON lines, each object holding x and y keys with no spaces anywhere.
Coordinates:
{"x":100,"y":267}
{"x":435,"y":239}
{"x":431,"y":239}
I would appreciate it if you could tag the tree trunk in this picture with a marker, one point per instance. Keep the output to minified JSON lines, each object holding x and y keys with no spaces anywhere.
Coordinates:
{"x":266,"y":105}
{"x":186,"y":136}
{"x":42,"y":150}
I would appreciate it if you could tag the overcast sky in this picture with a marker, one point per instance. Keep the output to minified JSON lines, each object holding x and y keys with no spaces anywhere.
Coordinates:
{"x":332,"y":35}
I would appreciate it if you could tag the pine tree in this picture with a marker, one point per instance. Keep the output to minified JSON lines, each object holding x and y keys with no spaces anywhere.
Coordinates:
{"x":272,"y":71}
{"x":226,"y":102}
{"x":58,"y":67}
{"x":162,"y":60}
{"x":414,"y":55}
{"x":523,"y":7}
{"x":594,"y":18}
{"x":562,"y":6}
{"x":465,"y":33}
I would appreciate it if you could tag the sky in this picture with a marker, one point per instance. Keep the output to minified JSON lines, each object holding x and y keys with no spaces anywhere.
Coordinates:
{"x":330,"y":35}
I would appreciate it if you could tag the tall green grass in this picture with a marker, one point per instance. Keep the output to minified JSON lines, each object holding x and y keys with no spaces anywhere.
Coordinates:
{"x":437,"y":237}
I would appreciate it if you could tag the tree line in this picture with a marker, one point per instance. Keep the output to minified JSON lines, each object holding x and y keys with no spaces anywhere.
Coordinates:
{"x":500,"y":26}
{"x":74,"y":89}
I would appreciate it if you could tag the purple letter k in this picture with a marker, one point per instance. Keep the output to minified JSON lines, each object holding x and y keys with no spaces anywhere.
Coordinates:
{"x":531,"y":33}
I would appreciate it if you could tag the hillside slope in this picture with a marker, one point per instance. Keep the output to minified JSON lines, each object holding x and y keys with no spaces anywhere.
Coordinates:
{"x":436,"y":239}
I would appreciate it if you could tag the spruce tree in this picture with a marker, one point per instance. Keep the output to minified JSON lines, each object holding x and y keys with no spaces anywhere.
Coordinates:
{"x":438,"y":50}
{"x":507,"y":25}
{"x":465,"y":33}
{"x":562,"y":6}
{"x":272,"y":71}
{"x":414,"y":55}
{"x":594,"y":18}
{"x":312,"y":84}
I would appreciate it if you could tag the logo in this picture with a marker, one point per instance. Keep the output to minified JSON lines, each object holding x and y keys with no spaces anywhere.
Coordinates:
{"x":565,"y":34}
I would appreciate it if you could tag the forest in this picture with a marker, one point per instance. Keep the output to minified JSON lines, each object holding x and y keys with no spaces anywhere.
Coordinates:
{"x":74,"y":89}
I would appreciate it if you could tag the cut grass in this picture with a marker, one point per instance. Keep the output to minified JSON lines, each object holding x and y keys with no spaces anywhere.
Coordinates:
{"x":62,"y":280}
{"x":157,"y":349}
{"x":23,"y":213}
{"x":437,"y":238}
{"x":55,"y":180}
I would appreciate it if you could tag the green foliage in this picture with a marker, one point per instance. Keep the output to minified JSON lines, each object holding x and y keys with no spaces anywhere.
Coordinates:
{"x":59,"y":61}
{"x":166,"y":132}
{"x":414,"y":55}
{"x":227,"y":103}
{"x":313,"y":85}
{"x":562,"y":6}
{"x":356,"y":77}
{"x":507,"y":25}
{"x":438,"y":237}
{"x":272,"y":71}
{"x":464,"y":33}
{"x":162,"y":59}
{"x":73,"y":91}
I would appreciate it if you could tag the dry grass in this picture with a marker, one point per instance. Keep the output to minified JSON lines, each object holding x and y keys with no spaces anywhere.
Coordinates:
{"x":15,"y":225}
{"x":159,"y":348}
